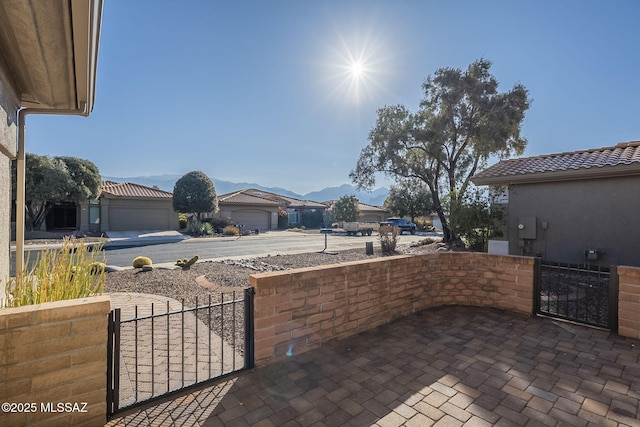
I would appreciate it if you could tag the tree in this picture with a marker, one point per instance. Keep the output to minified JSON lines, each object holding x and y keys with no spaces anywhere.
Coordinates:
{"x":52,"y":180}
{"x":474,"y":220}
{"x":410,"y":197}
{"x":195,"y":193}
{"x":461,"y":122}
{"x":346,"y":209}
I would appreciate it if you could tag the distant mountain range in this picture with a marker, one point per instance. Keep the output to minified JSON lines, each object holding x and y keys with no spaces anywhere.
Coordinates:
{"x":166,"y":182}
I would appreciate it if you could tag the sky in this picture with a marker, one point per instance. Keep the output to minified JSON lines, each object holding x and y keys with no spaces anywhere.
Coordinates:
{"x":284,"y":93}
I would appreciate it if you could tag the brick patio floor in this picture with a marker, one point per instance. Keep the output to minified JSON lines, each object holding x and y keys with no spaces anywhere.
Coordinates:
{"x":448,"y":366}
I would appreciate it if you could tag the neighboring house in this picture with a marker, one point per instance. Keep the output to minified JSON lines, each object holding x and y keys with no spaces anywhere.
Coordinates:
{"x":250,"y":210}
{"x":48,"y":62}
{"x":258,"y":209}
{"x":126,"y":206}
{"x":577,"y":207}
{"x":370,"y":213}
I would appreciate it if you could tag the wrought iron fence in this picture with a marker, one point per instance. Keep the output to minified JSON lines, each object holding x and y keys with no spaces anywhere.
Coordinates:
{"x":582,"y":293}
{"x":161,"y":350}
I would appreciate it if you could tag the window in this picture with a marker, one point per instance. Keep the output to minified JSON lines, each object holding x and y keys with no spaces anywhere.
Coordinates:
{"x":294,"y":216}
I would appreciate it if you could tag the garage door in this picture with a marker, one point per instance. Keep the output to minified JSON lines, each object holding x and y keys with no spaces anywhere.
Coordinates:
{"x":121,"y":219}
{"x":252,"y":219}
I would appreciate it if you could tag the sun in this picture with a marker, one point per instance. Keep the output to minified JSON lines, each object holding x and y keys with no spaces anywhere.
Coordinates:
{"x":357,"y":70}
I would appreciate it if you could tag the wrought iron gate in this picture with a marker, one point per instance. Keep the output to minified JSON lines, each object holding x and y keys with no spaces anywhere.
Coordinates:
{"x":162,"y":350}
{"x":581,"y":293}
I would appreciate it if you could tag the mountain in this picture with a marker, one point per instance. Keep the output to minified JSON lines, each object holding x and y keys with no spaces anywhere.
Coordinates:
{"x":166,"y":182}
{"x":374,"y":198}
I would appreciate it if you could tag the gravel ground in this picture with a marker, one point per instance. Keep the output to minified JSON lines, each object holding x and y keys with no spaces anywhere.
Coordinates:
{"x":224,"y":277}
{"x":229,"y":275}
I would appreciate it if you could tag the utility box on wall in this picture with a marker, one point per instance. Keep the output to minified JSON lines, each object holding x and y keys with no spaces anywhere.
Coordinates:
{"x":527,"y":227}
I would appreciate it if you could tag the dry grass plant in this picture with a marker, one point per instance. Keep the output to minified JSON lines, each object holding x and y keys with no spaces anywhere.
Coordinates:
{"x":73,"y":271}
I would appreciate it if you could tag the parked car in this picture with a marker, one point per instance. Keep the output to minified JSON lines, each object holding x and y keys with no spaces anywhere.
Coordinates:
{"x":401,"y":223}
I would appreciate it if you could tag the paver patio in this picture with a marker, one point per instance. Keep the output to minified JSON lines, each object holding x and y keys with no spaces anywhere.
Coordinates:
{"x":447,"y":366}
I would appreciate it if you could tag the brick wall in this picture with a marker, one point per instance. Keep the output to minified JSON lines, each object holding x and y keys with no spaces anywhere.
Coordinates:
{"x":297,"y":310}
{"x":51,"y":353}
{"x":629,"y":302}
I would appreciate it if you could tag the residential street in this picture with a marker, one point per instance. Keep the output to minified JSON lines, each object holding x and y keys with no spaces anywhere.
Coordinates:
{"x":272,"y":243}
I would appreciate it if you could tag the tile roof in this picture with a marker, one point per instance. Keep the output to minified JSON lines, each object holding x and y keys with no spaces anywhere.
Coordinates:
{"x":242,"y":198}
{"x":131,"y":190}
{"x":253,"y":196}
{"x":624,"y":157}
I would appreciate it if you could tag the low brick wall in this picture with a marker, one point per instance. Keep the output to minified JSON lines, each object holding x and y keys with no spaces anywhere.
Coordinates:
{"x":298,"y":310}
{"x":629,"y":302}
{"x":54,"y":353}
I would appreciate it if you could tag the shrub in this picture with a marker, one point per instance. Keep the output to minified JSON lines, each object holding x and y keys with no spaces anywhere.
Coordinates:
{"x":218,"y":224}
{"x":141,"y":261}
{"x":69,"y":273}
{"x":206,"y":229}
{"x":312,"y":219}
{"x":182,"y":220}
{"x":283,"y":219}
{"x":388,"y":238}
{"x":246,"y":233}
{"x":231,"y":230}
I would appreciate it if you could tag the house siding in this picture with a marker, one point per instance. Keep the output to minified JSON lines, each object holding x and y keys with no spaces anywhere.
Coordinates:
{"x":587,"y":214}
{"x":8,"y":136}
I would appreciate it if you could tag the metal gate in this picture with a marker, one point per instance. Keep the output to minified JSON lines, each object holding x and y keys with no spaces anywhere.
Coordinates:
{"x":164,"y":349}
{"x":580,"y":293}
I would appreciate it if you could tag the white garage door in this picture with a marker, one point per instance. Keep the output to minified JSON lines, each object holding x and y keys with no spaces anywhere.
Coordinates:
{"x":122,"y":219}
{"x":252,"y":219}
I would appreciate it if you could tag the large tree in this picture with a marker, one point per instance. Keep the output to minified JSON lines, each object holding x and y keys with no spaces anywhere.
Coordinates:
{"x":409,"y":197}
{"x":195,"y":193}
{"x":52,"y":180}
{"x":346,"y":209}
{"x":461,"y":122}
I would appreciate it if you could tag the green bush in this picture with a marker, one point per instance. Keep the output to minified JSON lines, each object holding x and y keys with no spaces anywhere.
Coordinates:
{"x":206,"y":229}
{"x":182,"y":220}
{"x":388,"y":238}
{"x":219,"y":224}
{"x":68,"y":273}
{"x":231,"y":230}
{"x":141,"y":261}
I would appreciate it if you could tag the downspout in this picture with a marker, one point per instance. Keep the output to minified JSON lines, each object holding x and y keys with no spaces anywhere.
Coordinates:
{"x":20,"y":179}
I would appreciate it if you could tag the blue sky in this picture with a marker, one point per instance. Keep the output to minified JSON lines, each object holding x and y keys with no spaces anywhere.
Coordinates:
{"x":261,"y":91}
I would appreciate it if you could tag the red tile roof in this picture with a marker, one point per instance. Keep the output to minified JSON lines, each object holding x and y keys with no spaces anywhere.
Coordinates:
{"x":261,"y":197}
{"x":131,"y":190}
{"x":243,"y":198}
{"x":624,"y":159}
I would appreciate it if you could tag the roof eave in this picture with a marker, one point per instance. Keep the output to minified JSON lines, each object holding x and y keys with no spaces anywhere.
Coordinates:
{"x":564,"y":175}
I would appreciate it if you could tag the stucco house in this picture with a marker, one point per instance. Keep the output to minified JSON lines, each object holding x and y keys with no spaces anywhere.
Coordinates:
{"x":576,"y":207}
{"x":48,"y":63}
{"x":258,"y":209}
{"x":127,"y":206}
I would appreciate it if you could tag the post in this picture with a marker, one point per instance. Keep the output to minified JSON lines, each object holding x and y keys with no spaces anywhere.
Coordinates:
{"x":369,"y":248}
{"x":249,"y":344}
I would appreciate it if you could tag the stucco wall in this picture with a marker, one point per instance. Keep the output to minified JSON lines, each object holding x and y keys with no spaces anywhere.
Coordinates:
{"x":8,"y":132}
{"x":581,"y":215}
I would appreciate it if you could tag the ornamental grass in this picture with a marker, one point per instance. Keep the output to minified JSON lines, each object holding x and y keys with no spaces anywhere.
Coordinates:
{"x":73,"y":271}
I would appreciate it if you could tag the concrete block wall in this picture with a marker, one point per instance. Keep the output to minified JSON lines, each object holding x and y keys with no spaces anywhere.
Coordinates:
{"x":54,"y":353}
{"x":629,"y":301}
{"x":298,"y":310}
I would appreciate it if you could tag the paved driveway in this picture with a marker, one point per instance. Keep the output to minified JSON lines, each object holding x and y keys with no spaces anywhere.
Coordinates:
{"x":449,"y":366}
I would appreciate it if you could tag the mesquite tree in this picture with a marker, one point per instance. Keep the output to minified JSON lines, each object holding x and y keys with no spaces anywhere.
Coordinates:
{"x":461,"y":122}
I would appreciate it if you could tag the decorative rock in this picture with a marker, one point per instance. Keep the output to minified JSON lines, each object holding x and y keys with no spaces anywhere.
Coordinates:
{"x":147,"y":268}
